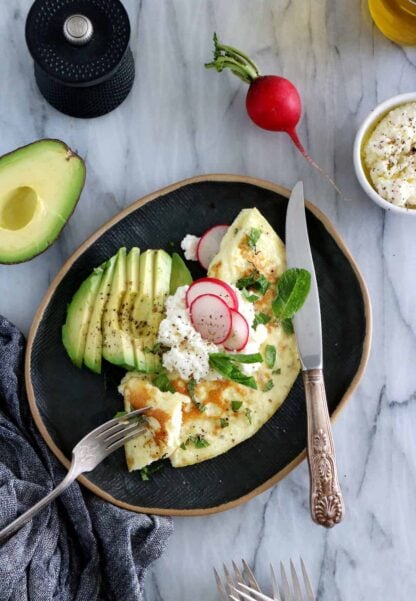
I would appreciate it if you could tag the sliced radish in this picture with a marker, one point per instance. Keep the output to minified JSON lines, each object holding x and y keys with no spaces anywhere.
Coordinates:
{"x":212,"y":286}
{"x":209,"y":244}
{"x":239,"y":334}
{"x":211,"y":317}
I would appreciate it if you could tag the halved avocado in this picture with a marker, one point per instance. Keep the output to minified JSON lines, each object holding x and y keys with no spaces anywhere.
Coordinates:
{"x":40,"y":185}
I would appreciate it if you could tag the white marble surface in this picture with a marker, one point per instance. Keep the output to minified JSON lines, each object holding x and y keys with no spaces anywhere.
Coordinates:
{"x":181,"y":120}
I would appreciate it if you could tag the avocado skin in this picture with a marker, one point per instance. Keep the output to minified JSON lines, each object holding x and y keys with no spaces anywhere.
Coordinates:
{"x":71,"y":154}
{"x":180,"y":274}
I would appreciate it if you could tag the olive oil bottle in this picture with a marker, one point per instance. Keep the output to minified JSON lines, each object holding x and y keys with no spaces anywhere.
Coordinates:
{"x":396,"y":19}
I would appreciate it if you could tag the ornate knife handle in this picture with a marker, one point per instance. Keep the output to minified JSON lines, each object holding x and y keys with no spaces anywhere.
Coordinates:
{"x":327,"y":504}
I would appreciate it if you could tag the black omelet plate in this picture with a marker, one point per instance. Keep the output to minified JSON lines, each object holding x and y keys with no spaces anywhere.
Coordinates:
{"x":68,"y":402}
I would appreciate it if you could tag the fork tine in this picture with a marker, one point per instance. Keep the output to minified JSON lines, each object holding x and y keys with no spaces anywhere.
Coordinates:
{"x":309,"y":593}
{"x":120,"y":433}
{"x":119,"y":443}
{"x":287,"y":595}
{"x":250,"y":576}
{"x":275,"y":588}
{"x":254,"y":594}
{"x":296,"y":585}
{"x":228,"y":578}
{"x":238,"y":575}
{"x":220,"y":586}
{"x":117,"y":420}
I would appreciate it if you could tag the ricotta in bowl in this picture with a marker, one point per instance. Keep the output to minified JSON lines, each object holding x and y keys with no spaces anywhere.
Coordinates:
{"x":389,"y":156}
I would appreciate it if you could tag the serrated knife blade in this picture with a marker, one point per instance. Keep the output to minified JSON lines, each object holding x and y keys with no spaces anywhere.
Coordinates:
{"x":326,"y":502}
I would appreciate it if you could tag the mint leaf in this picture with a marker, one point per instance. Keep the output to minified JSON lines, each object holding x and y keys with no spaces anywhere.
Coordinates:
{"x":229,"y":370}
{"x":292,"y":290}
{"x":255,"y":280}
{"x":287,"y":326}
{"x":253,"y":237}
{"x":247,"y":413}
{"x":260,"y":318}
{"x":270,"y":356}
{"x":199,"y":441}
{"x":239,"y":357}
{"x":192,"y":384}
{"x":251,"y":298}
{"x":235,"y":405}
{"x":162,"y":382}
{"x":268,"y":386}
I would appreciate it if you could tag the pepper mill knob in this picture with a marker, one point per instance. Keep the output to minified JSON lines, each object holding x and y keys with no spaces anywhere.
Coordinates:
{"x":78,"y":29}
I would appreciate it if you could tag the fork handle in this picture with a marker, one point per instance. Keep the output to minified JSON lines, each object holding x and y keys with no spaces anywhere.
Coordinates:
{"x":28,"y":515}
{"x":327,"y":504}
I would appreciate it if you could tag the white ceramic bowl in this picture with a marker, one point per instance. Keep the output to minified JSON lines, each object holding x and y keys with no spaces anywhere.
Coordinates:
{"x":368,"y":124}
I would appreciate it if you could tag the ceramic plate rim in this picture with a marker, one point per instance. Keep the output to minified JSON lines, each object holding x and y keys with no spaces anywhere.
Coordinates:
{"x":225,"y":178}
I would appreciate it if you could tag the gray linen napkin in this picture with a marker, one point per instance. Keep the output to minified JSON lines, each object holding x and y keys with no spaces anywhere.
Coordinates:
{"x":79,"y":548}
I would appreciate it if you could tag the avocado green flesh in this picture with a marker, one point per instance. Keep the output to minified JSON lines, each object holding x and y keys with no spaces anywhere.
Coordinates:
{"x":74,"y":331}
{"x":117,"y":345}
{"x":94,"y":343}
{"x":180,"y":274}
{"x":40,"y":185}
{"x":118,"y":315}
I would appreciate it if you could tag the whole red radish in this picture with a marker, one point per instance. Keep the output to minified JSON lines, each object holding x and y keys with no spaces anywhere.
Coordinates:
{"x":272,"y":102}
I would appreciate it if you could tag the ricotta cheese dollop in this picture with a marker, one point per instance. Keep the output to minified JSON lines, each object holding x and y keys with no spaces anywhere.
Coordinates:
{"x":189,"y":245}
{"x":188,"y":352}
{"x":390,"y":156}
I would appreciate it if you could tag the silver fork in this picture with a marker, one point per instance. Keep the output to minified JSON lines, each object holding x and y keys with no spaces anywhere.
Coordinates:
{"x":241,"y":585}
{"x":86,"y":455}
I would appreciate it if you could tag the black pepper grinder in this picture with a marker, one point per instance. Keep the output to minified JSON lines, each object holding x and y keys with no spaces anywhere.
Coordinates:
{"x":83,"y":64}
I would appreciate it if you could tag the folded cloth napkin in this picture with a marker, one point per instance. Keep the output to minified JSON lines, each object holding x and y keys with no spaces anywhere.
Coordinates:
{"x":79,"y":548}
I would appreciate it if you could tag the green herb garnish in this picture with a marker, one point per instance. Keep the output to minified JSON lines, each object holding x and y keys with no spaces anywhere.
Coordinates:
{"x":235,"y":405}
{"x":247,"y":413}
{"x":147,"y":470}
{"x":183,"y":446}
{"x":287,"y":325}
{"x":255,"y":280}
{"x":162,"y":382}
{"x":198,"y":440}
{"x":239,"y":357}
{"x":226,"y":367}
{"x":251,"y":298}
{"x":270,"y":356}
{"x":120,"y":414}
{"x":191,"y":389}
{"x":277,"y":371}
{"x":136,"y":419}
{"x":292,"y":290}
{"x":260,"y":318}
{"x":253,"y":237}
{"x":268,"y":386}
{"x":224,"y":422}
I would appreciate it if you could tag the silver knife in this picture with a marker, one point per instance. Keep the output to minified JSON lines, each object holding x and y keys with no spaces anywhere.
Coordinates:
{"x":327,"y":505}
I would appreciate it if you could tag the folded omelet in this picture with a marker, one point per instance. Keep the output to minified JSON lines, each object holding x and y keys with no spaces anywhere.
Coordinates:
{"x":231,"y":412}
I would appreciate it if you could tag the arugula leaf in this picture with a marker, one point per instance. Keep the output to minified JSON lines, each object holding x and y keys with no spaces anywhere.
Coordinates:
{"x":239,"y":357}
{"x":253,"y":237}
{"x":293,"y":288}
{"x":268,"y":386}
{"x":235,"y":405}
{"x":270,"y":356}
{"x":191,"y":389}
{"x":162,"y":382}
{"x":287,"y":326}
{"x":247,"y":413}
{"x":251,"y":298}
{"x":224,"y":422}
{"x":260,"y":318}
{"x":147,"y":470}
{"x":229,"y":370}
{"x":255,"y":280}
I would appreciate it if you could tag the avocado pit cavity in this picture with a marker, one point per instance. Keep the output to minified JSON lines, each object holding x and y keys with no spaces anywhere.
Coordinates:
{"x":17,"y":207}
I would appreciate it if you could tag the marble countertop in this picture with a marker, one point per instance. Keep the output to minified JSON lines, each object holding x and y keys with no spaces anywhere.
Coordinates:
{"x":181,"y":120}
